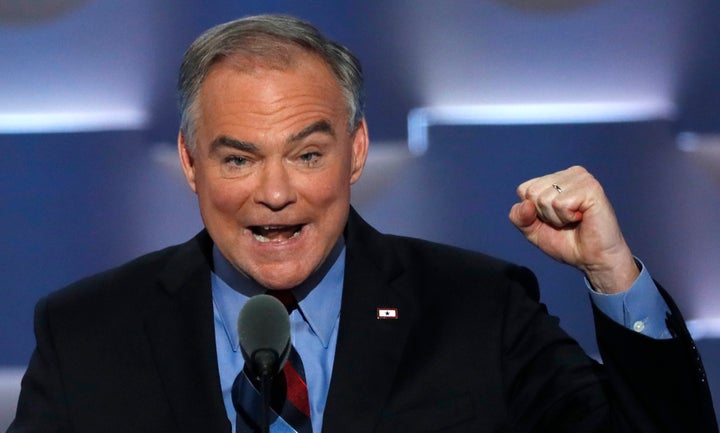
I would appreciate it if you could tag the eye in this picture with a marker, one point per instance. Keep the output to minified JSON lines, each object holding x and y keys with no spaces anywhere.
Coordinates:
{"x":234,"y":160}
{"x":310,"y":158}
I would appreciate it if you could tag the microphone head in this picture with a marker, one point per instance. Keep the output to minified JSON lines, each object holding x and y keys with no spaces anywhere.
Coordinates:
{"x":264,"y":327}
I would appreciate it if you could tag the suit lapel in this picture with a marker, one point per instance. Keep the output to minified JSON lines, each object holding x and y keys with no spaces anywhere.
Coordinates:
{"x":179,"y":326}
{"x":369,"y":349}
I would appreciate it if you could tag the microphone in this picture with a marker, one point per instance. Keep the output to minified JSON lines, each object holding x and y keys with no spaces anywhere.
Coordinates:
{"x":264,"y":331}
{"x":264,"y":334}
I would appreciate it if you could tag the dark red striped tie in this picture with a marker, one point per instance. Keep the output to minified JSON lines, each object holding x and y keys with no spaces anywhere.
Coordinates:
{"x":289,"y":390}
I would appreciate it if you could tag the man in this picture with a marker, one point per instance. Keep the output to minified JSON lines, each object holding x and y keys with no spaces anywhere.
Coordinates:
{"x":272,"y":138}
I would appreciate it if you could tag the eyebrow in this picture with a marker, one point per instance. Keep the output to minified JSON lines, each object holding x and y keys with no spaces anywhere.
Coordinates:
{"x":246,"y":146}
{"x":319,"y":126}
{"x":225,"y":141}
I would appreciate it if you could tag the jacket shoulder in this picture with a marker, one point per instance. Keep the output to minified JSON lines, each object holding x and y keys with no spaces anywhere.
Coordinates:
{"x":435,"y":263}
{"x":128,"y":283}
{"x":461,"y":264}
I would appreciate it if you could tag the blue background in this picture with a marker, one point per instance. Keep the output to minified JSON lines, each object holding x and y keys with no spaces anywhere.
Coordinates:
{"x":74,"y":203}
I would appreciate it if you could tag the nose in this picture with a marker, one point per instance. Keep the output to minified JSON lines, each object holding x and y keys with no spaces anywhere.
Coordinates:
{"x":275,"y":189}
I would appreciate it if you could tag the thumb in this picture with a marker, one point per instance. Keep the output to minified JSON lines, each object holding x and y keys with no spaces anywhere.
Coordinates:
{"x":523,"y":215}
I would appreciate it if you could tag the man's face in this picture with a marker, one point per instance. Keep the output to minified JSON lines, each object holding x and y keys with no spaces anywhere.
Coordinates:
{"x":272,"y":166}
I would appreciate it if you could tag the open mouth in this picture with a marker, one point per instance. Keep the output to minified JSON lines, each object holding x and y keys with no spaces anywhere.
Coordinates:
{"x":275,"y":233}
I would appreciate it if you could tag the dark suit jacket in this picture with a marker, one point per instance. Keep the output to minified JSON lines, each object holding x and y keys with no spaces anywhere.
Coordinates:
{"x":132,"y":350}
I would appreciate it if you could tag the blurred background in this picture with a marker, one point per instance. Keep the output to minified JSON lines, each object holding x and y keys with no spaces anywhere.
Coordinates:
{"x":465,"y":100}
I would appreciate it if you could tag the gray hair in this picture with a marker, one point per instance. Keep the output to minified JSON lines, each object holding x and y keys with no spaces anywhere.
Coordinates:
{"x":270,"y":38}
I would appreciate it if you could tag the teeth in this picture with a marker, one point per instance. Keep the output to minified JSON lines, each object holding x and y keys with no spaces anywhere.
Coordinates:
{"x":260,"y":238}
{"x":264,"y":239}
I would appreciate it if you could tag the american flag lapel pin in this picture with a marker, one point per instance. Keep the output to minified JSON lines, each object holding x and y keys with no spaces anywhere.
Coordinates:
{"x":387,"y":313}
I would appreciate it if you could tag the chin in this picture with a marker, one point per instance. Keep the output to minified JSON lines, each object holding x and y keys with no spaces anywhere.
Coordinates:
{"x":279,"y":281}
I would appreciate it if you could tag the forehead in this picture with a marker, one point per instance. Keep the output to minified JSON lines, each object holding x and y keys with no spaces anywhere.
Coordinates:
{"x":288,"y":59}
{"x":244,"y":91}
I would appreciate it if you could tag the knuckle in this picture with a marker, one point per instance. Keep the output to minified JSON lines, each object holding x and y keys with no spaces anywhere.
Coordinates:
{"x":532,"y":192}
{"x":577,"y":169}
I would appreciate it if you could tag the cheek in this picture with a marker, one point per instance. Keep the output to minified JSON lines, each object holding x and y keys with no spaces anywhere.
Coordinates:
{"x":221,"y":198}
{"x":331,"y":189}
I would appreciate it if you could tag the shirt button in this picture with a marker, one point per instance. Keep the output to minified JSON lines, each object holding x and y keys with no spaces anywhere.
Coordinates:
{"x":638,"y":326}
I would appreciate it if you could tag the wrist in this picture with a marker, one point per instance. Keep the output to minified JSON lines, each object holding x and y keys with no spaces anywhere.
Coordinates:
{"x":614,"y":277}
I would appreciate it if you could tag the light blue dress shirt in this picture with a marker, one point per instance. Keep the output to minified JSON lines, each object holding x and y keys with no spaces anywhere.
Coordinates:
{"x":314,"y":325}
{"x":641,"y":308}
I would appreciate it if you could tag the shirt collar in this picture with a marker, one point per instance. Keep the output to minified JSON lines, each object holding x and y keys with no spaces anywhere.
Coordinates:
{"x":319,"y":297}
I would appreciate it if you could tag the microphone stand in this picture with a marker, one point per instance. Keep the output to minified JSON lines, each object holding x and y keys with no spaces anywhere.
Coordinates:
{"x":265,"y":388}
{"x":266,"y":361}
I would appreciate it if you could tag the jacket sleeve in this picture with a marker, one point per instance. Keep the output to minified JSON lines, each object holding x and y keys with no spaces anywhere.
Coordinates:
{"x":643,"y":385}
{"x":657,"y":385}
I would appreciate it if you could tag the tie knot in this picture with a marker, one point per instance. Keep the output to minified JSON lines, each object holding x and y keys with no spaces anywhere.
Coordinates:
{"x":286,"y":297}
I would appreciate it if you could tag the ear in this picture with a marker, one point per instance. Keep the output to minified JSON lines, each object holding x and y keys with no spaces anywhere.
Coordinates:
{"x":360,"y":145}
{"x":187,"y":161}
